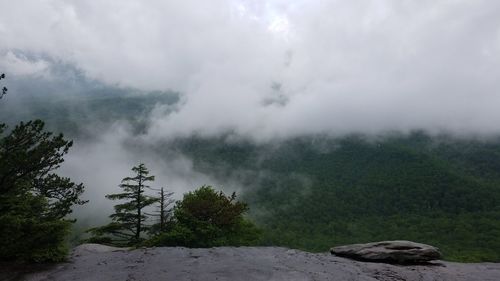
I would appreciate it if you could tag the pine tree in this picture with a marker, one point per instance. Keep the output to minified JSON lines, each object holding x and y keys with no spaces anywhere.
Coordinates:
{"x":128,"y":221}
{"x":34,"y":201}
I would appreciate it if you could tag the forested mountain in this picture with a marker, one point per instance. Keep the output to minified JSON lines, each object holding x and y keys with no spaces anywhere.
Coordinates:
{"x":314,"y":192}
{"x":74,"y":113}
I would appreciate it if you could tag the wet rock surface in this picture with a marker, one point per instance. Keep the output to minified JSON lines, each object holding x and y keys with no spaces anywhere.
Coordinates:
{"x":398,"y":252}
{"x":245,"y":263}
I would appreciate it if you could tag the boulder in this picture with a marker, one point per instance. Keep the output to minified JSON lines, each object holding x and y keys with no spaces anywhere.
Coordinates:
{"x":400,"y":252}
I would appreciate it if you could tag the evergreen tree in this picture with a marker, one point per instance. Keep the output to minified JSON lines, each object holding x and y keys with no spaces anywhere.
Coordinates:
{"x":33,"y":200}
{"x":128,"y":221}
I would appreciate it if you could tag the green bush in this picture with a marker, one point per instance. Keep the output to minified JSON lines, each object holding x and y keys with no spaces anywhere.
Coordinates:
{"x":32,"y":239}
{"x":177,"y":236}
{"x":206,"y":218}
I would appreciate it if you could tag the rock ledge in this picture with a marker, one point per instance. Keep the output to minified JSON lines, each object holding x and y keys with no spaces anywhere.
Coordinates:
{"x":93,"y":262}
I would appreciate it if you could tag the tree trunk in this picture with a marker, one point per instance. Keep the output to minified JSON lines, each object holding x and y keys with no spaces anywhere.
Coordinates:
{"x":138,"y":225}
{"x":162,"y":210}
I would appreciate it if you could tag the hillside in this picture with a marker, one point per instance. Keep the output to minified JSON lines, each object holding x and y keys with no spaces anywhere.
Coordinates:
{"x":314,"y":192}
{"x":75,"y":113}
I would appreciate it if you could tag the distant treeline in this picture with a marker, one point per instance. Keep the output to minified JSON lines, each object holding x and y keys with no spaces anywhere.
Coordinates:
{"x":316,"y":192}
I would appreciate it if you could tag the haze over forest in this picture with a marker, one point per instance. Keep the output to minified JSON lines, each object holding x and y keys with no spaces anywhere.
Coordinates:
{"x":243,"y":94}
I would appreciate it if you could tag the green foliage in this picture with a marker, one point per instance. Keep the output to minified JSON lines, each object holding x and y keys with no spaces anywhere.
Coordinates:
{"x":34,"y":201}
{"x":313,"y":193}
{"x":468,"y":238}
{"x":128,"y":221}
{"x":206,"y":218}
{"x":177,"y":235}
{"x":73,"y":115}
{"x":33,"y":239}
{"x":316,"y":192}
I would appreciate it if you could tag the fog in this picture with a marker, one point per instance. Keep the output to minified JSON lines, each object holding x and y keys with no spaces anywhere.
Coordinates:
{"x":340,"y":66}
{"x":104,"y":161}
{"x":261,"y":70}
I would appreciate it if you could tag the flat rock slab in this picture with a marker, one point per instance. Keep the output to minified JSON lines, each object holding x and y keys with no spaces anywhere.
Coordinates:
{"x":246,"y":263}
{"x":399,"y":252}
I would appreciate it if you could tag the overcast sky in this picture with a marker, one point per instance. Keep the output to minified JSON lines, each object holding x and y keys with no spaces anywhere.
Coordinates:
{"x":280,"y":68}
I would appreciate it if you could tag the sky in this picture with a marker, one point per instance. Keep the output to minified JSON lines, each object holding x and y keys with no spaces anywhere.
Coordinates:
{"x":261,"y":70}
{"x":276,"y":69}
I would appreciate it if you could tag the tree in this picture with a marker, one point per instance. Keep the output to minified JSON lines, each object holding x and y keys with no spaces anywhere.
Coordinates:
{"x":206,"y":218}
{"x":164,"y":212}
{"x":128,"y":221}
{"x":34,"y":201}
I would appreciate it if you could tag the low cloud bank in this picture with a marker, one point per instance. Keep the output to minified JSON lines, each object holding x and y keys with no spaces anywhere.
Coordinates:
{"x":277,"y":69}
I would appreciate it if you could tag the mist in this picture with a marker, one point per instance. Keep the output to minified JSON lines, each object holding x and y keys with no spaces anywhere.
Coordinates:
{"x":261,"y":71}
{"x":268,"y":69}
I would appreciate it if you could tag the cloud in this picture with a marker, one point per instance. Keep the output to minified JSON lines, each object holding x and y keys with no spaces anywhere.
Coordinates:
{"x":101,"y":163}
{"x":341,"y":66}
{"x":262,"y":70}
{"x":20,"y":65}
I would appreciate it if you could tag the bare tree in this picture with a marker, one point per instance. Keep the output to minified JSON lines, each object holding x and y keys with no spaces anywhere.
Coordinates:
{"x":164,"y":211}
